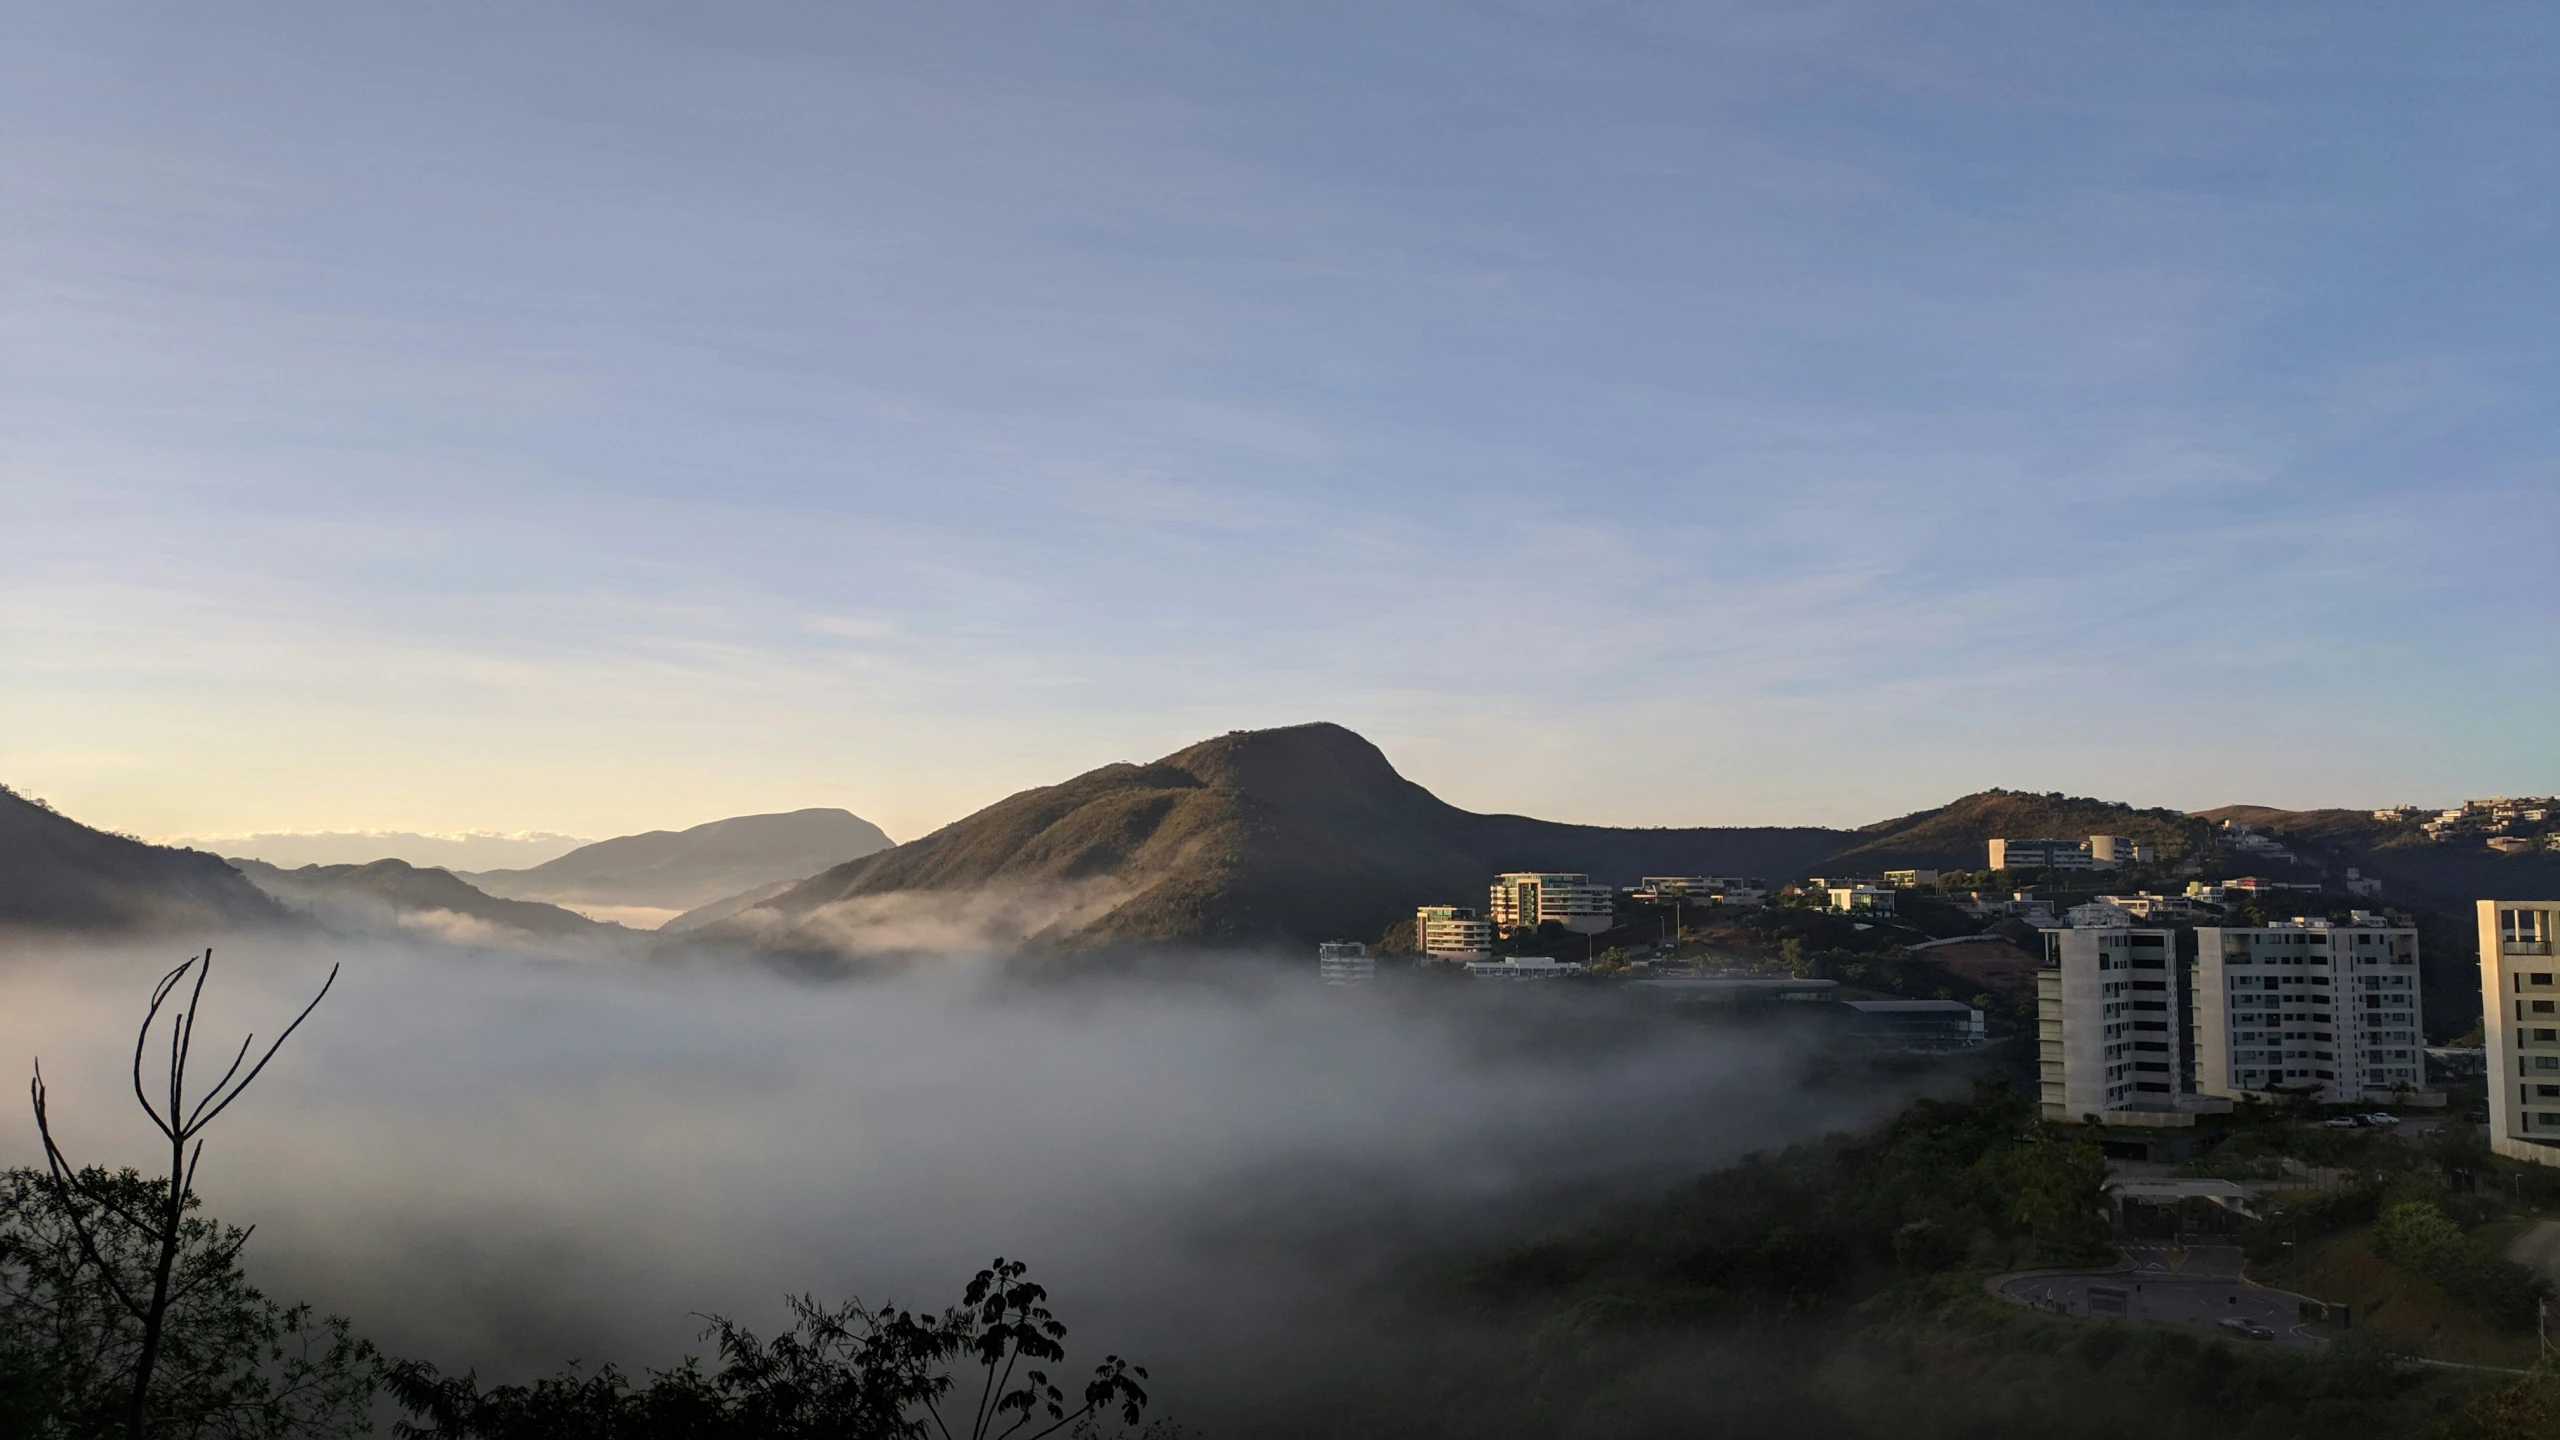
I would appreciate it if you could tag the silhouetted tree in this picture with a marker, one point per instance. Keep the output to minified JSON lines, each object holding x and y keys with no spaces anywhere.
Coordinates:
{"x":231,"y":1364}
{"x":132,"y":1236}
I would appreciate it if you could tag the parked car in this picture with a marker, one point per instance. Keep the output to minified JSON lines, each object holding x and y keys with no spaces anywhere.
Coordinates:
{"x":2246,"y":1328}
{"x":2382,"y":1117}
{"x":2347,"y":1122}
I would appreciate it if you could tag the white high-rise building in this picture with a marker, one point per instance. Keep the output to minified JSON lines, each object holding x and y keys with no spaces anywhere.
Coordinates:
{"x":1452,"y":932}
{"x":1526,"y":899}
{"x":2520,"y":995}
{"x":2109,"y":1027}
{"x":2329,"y":1007}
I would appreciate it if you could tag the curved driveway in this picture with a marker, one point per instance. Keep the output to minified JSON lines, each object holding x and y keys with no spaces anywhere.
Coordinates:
{"x":2178,"y":1284}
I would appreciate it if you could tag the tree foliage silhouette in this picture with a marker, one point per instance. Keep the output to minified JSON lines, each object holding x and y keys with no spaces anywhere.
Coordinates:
{"x":978,"y":1371}
{"x":131,"y":1233}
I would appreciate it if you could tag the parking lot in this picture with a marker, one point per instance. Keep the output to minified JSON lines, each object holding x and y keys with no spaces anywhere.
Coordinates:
{"x":2177,"y":1284}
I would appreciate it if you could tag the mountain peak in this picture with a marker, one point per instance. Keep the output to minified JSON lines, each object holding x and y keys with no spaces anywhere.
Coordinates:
{"x":1254,"y":837}
{"x":1298,"y":763}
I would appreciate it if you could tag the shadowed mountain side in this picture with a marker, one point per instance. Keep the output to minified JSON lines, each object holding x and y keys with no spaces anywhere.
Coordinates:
{"x":397,"y":894}
{"x":1955,"y":836}
{"x":683,"y":869}
{"x":1256,"y":837}
{"x":56,"y":873}
{"x":723,"y":908}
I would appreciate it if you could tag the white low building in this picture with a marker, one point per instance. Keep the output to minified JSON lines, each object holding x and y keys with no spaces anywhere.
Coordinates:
{"x":1524,"y":967}
{"x":1526,"y":899}
{"x":2039,"y":855}
{"x":2147,"y":906}
{"x":1688,"y":887}
{"x":1345,"y":962}
{"x":1860,"y":898}
{"x":2098,"y":914}
{"x":2114,"y":852}
{"x":1452,"y":932}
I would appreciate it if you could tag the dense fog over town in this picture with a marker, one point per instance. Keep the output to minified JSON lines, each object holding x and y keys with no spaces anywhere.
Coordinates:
{"x":505,"y":1161}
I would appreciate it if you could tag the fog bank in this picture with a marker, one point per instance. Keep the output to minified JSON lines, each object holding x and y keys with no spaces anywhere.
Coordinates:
{"x":502,"y":1162}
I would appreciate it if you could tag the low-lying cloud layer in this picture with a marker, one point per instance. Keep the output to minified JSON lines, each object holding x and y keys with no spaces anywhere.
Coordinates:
{"x":502,"y":1162}
{"x":995,"y":920}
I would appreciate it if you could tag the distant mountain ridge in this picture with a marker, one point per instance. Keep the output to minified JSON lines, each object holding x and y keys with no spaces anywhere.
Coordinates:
{"x":680,"y":870}
{"x":58,"y":874}
{"x":400,"y":895}
{"x":1252,"y":838}
{"x":1249,"y":839}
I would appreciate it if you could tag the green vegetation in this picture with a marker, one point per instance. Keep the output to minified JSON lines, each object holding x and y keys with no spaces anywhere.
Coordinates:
{"x":1837,"y":1289}
{"x":235,"y":1365}
{"x":229,"y":1362}
{"x":2417,"y":1236}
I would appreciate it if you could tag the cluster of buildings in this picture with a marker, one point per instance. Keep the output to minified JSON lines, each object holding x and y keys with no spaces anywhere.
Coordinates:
{"x":2498,"y":817}
{"x":2137,"y":1029}
{"x":1527,"y":899}
{"x":1522,"y":901}
{"x":2142,"y":1026}
{"x":2510,"y":824}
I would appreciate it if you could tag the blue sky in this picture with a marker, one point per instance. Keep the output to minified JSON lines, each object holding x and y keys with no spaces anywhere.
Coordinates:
{"x":595,"y":418}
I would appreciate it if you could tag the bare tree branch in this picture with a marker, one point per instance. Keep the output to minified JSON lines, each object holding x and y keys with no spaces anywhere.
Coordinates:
{"x":182,"y":1128}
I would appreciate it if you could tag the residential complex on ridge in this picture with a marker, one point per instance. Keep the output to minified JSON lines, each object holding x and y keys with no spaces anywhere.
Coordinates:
{"x":2151,"y":1009}
{"x":1526,"y":899}
{"x":2098,"y":852}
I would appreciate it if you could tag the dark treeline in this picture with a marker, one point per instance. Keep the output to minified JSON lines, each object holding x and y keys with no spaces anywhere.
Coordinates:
{"x":232,"y":1364}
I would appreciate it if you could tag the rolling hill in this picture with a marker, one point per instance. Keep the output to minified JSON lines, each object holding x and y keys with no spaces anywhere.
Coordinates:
{"x":1954,"y":836}
{"x":1253,"y":838}
{"x":56,"y":873}
{"x":671,"y":871}
{"x":393,"y":894}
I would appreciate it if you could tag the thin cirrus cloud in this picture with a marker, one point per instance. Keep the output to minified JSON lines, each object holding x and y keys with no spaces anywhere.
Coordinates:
{"x":433,"y":420}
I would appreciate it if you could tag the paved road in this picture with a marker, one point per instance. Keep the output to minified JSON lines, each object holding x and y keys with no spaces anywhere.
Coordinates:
{"x":2539,"y":1248}
{"x":2189,"y":1285}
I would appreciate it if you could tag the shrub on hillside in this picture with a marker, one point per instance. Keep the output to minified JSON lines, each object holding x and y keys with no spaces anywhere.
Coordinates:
{"x":2417,"y":1236}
